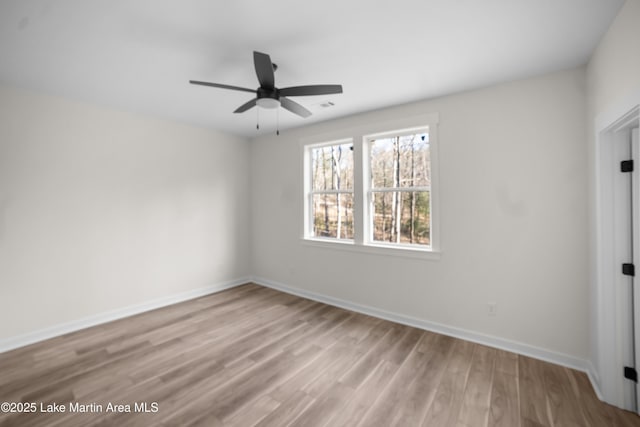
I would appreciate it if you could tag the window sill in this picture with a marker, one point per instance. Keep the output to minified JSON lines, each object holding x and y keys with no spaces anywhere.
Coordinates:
{"x":383,"y":250}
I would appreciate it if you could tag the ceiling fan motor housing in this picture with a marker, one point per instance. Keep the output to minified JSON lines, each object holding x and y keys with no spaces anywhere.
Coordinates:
{"x":263,"y":93}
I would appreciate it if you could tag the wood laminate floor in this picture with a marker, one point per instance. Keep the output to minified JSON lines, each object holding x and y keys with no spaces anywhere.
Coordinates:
{"x":252,"y":356}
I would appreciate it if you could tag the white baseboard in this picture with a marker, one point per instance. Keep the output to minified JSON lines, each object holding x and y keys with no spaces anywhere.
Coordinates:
{"x":488,"y":340}
{"x":75,"y":325}
{"x":594,"y":378}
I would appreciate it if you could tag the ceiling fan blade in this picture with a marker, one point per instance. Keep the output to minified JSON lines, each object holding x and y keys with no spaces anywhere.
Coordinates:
{"x":264,"y":70}
{"x":244,"y":89}
{"x":311,"y":90}
{"x":244,"y":107}
{"x":294,"y":107}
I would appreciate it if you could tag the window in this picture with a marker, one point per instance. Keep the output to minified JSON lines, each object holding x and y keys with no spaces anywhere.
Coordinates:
{"x":374,"y":189}
{"x":331,"y":195}
{"x":400,"y":183}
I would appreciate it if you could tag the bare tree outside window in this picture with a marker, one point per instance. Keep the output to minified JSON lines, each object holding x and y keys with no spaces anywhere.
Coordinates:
{"x":332,"y":191}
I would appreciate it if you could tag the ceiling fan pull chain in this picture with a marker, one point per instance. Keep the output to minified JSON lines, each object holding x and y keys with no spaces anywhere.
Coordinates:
{"x":278,"y":122}
{"x":257,"y":119}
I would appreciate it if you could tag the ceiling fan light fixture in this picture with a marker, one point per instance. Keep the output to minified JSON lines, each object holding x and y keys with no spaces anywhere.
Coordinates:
{"x":268,"y":103}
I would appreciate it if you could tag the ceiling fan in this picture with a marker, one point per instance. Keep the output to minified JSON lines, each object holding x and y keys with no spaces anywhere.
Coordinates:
{"x":268,"y":95}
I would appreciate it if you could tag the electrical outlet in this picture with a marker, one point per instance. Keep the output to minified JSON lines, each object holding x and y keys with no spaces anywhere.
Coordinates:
{"x":492,"y":308}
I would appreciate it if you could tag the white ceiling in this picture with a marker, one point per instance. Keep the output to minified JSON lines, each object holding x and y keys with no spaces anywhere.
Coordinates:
{"x":138,"y":55}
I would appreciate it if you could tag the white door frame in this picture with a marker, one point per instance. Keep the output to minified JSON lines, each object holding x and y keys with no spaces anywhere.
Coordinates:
{"x":608,"y":343}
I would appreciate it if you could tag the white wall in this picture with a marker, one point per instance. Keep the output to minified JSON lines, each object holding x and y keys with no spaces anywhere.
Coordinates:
{"x":513,"y":175}
{"x":613,"y":73}
{"x":613,"y":88}
{"x":101,"y":210}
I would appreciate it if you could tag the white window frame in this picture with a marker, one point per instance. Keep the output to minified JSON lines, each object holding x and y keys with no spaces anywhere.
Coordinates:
{"x":358,"y":135}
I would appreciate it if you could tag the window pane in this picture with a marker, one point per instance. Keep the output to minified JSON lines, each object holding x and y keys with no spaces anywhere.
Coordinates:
{"x":401,"y":161}
{"x":402,"y":217}
{"x":333,"y":215}
{"x":332,"y":167}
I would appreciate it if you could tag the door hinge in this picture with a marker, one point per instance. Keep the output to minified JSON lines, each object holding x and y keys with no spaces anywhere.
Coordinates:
{"x":626,"y":166}
{"x":631,"y":373}
{"x":628,"y":269}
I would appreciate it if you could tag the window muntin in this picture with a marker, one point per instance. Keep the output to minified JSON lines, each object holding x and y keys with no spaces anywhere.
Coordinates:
{"x":331,"y":195}
{"x":400,"y":188}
